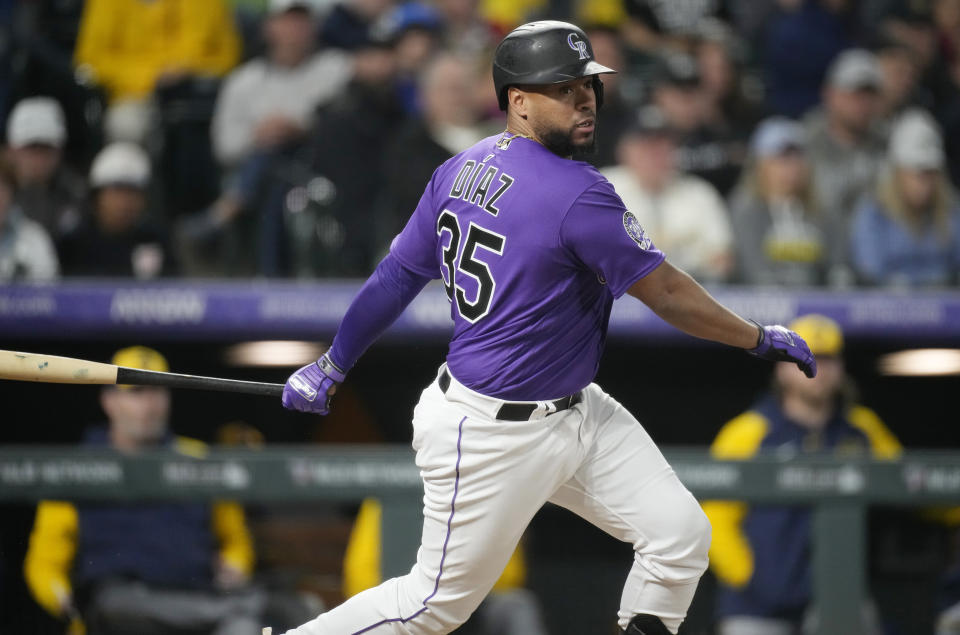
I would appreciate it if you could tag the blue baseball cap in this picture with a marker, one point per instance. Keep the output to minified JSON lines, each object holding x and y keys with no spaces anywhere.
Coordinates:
{"x":777,"y":135}
{"x":408,"y":16}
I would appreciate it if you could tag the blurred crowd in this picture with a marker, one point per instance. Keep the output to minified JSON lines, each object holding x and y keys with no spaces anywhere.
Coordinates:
{"x":772,"y":142}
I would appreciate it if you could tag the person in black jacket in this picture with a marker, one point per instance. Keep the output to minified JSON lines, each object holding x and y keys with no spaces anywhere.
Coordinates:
{"x":116,"y":238}
{"x":450,"y":123}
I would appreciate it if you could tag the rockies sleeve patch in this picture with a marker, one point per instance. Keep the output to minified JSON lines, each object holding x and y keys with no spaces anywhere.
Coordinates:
{"x":635,"y":231}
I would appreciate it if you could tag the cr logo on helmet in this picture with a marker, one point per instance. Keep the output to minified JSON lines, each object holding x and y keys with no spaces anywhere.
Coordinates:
{"x":578,"y":45}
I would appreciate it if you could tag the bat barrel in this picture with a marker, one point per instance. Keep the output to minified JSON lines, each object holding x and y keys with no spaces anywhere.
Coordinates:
{"x":137,"y":377}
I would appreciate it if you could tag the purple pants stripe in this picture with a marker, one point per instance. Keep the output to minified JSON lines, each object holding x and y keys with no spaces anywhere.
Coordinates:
{"x":443,"y":553}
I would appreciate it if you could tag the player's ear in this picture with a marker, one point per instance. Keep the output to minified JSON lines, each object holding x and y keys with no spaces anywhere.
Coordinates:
{"x":516,"y":99}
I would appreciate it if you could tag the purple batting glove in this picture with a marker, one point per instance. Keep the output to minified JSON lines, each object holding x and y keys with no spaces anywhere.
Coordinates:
{"x":307,"y":390}
{"x":780,"y":344}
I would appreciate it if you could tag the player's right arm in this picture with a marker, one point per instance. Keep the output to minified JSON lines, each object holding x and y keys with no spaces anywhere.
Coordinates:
{"x":681,"y":302}
{"x":603,"y":235}
{"x":397,"y":280}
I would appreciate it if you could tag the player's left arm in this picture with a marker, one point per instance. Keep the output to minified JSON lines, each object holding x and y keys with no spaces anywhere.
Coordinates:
{"x":379,"y":303}
{"x":681,"y":302}
{"x":397,"y":280}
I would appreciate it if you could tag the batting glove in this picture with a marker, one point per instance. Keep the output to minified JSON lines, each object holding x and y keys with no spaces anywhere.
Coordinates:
{"x":307,"y":390}
{"x":780,"y":344}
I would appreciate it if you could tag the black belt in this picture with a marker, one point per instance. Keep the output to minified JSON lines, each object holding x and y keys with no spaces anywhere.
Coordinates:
{"x":514,"y":411}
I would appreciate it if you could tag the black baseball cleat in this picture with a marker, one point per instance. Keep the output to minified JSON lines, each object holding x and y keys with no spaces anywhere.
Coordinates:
{"x":646,"y":625}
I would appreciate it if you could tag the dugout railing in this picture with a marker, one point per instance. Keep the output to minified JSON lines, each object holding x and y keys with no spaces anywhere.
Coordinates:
{"x":838,"y":490}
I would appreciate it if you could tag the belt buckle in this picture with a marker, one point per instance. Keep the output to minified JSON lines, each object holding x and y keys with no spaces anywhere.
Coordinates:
{"x":542,"y":410}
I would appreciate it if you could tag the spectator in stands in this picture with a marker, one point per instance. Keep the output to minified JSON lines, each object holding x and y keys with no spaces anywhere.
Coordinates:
{"x":115,"y":236}
{"x":26,"y":251}
{"x":509,"y":609}
{"x":845,"y":143}
{"x":415,"y":29}
{"x":129,"y":47}
{"x":683,"y":214}
{"x":270,"y":101}
{"x":644,"y":41}
{"x":761,"y":553}
{"x":43,"y":42}
{"x":163,"y":568}
{"x":730,"y":104}
{"x":263,"y":115}
{"x":47,"y":191}
{"x":907,"y":231}
{"x":676,"y":91}
{"x":749,"y":18}
{"x":450,"y":124}
{"x":617,"y":113}
{"x":781,"y":230}
{"x":799,"y":42}
{"x":946,"y":22}
{"x":505,"y":15}
{"x":943,"y":77}
{"x":900,"y":81}
{"x":347,"y":152}
{"x":348,"y":24}
{"x":465,"y":31}
{"x":714,"y":153}
{"x":911,"y":24}
{"x":680,"y":18}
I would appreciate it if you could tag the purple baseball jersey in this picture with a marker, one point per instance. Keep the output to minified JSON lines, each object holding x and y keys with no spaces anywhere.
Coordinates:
{"x":532,"y":249}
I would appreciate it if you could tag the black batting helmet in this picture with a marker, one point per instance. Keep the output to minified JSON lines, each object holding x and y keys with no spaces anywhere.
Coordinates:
{"x":545,"y":52}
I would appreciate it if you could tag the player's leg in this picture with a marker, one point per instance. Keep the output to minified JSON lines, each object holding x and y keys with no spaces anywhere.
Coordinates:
{"x":625,"y":487}
{"x":483,"y":481}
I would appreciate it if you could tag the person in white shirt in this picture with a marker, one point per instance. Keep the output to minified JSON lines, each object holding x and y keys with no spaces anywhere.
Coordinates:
{"x":271,"y":100}
{"x":683,"y":214}
{"x":265,"y":112}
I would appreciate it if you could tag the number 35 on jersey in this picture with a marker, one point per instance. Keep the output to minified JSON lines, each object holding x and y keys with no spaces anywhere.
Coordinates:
{"x":462,"y":253}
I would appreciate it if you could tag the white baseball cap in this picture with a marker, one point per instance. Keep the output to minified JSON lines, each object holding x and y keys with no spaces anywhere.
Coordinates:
{"x":916,"y":142}
{"x":36,"y":120}
{"x":855,"y":69}
{"x":120,"y":163}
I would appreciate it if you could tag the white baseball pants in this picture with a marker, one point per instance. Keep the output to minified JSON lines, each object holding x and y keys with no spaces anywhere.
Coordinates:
{"x":485,"y":478}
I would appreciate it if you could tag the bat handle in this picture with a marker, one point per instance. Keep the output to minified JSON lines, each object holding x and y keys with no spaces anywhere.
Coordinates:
{"x":138,"y":377}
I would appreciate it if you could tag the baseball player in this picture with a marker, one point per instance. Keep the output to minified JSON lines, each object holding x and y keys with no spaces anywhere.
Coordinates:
{"x":533,"y":247}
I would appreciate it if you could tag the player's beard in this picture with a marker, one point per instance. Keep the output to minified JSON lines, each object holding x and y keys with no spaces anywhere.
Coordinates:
{"x":560,"y":142}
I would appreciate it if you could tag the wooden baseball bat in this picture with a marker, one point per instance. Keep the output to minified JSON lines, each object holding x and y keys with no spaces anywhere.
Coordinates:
{"x":68,"y":370}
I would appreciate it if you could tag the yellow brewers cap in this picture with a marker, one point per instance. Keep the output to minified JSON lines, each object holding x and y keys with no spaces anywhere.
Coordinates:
{"x":823,"y":335}
{"x":142,"y":358}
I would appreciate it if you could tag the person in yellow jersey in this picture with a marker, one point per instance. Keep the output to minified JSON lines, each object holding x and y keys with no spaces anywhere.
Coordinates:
{"x":761,"y":554}
{"x":151,"y":568}
{"x":510,"y":609}
{"x":130,"y":47}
